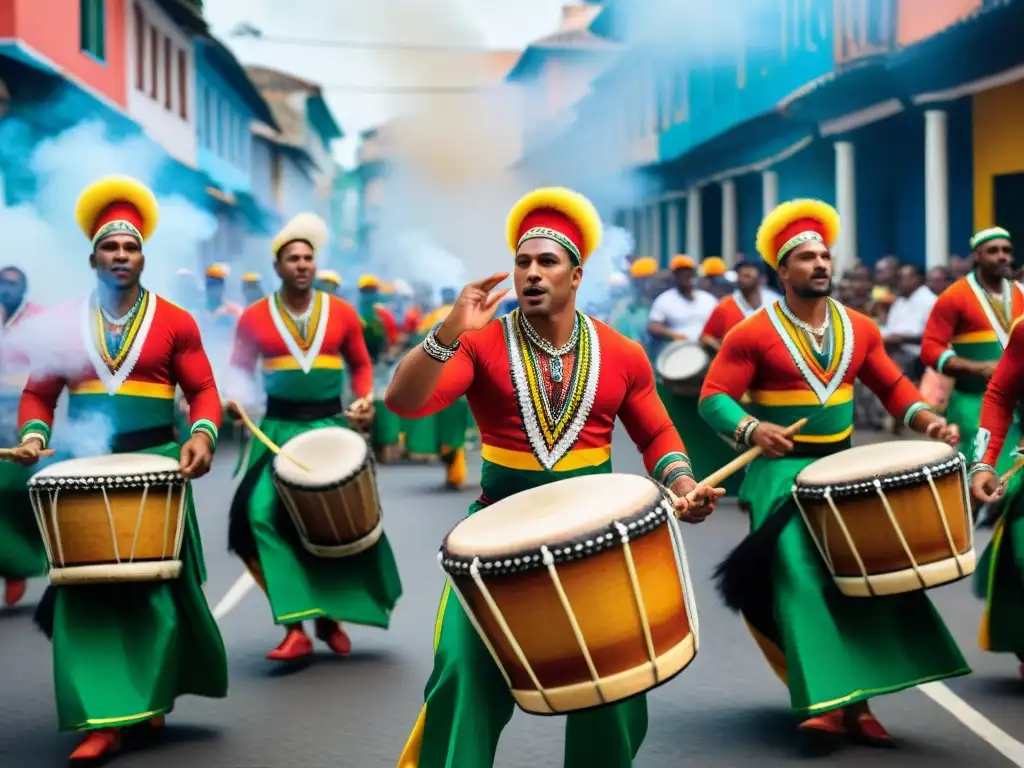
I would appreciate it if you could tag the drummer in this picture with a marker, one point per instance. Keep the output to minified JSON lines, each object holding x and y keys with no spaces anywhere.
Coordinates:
{"x":630,"y":317}
{"x":328,"y":281}
{"x":967,"y":331}
{"x":22,"y":555}
{"x":252,"y":287}
{"x":747,"y":299}
{"x":799,"y":353}
{"x":122,"y":653}
{"x":303,"y":339}
{"x":679,"y":314}
{"x":999,"y":578}
{"x":551,"y":232}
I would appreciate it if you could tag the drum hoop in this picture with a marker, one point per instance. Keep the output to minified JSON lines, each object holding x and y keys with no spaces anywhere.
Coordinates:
{"x":866,"y":486}
{"x":110,"y":482}
{"x":367,"y":462}
{"x":663,"y":355}
{"x":641,"y":523}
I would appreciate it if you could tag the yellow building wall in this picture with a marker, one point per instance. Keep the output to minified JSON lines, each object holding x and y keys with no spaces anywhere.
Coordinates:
{"x":998,"y":117}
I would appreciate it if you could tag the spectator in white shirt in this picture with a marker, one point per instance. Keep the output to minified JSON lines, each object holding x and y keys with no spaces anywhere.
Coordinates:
{"x":907,"y":317}
{"x":679,"y":314}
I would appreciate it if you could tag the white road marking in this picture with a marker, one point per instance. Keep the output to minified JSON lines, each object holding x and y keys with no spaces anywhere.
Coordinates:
{"x":984,"y":728}
{"x":234,"y":596}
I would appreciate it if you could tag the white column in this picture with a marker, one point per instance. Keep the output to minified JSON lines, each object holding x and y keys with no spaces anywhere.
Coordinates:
{"x":673,"y":244}
{"x":656,"y":231}
{"x":845,"y":253}
{"x":769,"y":191}
{"x":729,"y":222}
{"x":936,"y":189}
{"x":694,"y":240}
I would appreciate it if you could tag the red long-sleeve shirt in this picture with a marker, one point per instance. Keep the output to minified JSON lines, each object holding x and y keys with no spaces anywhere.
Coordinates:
{"x":1005,"y":390}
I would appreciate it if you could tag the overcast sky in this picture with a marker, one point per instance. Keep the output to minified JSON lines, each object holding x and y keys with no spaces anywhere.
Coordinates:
{"x":496,"y":24}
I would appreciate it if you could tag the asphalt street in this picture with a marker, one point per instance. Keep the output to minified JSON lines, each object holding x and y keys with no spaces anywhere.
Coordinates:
{"x":727,"y":709}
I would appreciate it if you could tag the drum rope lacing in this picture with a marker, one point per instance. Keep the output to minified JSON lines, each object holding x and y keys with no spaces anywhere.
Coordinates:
{"x":549,"y":349}
{"x":549,"y":561}
{"x":878,"y":485}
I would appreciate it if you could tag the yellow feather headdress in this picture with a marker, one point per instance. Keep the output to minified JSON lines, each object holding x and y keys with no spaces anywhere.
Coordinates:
{"x":559,"y":214}
{"x":307,"y":227}
{"x":794,"y":223}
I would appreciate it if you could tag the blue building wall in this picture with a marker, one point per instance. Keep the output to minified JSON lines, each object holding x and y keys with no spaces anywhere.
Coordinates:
{"x":748,"y":211}
{"x":724,"y":92}
{"x":222,"y":125}
{"x":960,"y":146}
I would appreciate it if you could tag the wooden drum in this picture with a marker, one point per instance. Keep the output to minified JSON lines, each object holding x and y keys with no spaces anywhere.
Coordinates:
{"x":332,"y":497}
{"x":579,"y":589}
{"x":114,"y":518}
{"x":683,"y":365}
{"x":891,"y":517}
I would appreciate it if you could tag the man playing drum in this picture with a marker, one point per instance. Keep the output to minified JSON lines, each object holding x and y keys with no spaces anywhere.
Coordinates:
{"x":967,"y":332}
{"x":303,"y":338}
{"x":545,"y":384}
{"x":122,"y":653}
{"x":22,"y":555}
{"x":799,"y":358}
{"x":1000,"y":574}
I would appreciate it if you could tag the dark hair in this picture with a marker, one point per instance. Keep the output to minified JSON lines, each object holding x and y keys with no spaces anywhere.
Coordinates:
{"x":21,"y":274}
{"x":918,"y":272}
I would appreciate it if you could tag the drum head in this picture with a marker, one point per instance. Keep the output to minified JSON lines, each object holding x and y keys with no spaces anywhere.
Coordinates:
{"x":552,"y":513}
{"x":122,"y":465}
{"x":867,"y":461}
{"x":329,"y":455}
{"x":682,"y":360}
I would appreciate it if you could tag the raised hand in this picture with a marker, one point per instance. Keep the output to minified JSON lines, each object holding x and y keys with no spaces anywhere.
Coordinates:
{"x":475,"y":308}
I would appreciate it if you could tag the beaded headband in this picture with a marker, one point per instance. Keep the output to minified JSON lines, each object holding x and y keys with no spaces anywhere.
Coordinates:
{"x":552,"y":234}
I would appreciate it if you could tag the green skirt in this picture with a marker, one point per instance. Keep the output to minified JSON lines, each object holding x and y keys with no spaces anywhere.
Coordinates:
{"x":122,"y":653}
{"x":386,"y":427}
{"x":830,"y":649}
{"x":965,"y":411}
{"x":362,"y":589}
{"x":707,"y":451}
{"x":421,"y":436}
{"x":440,"y":433}
{"x":22,"y":554}
{"x":999,"y":578}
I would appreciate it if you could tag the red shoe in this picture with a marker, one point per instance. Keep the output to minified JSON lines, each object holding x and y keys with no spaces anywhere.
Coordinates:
{"x":331,"y":633}
{"x":830,"y":723}
{"x":14,"y":590}
{"x":296,"y":645}
{"x":97,"y":745}
{"x":867,"y":730}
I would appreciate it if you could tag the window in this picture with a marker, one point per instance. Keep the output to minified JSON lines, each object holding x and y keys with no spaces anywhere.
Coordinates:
{"x":207,"y":118}
{"x":182,"y":84}
{"x":168,"y":75}
{"x":92,"y":28}
{"x":140,"y":49}
{"x":154,"y":62}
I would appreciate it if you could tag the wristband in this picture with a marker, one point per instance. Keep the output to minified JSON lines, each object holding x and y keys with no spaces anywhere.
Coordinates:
{"x":677,"y":473}
{"x":438,"y":351}
{"x":980,"y":467}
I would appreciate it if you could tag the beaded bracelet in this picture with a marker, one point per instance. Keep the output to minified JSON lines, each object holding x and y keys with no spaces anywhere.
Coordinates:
{"x":980,"y":467}
{"x":748,"y":431}
{"x":438,"y":351}
{"x":677,"y":473}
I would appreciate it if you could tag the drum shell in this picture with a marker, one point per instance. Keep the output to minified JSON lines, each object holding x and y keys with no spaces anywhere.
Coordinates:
{"x":877,"y":543}
{"x":337,"y":520}
{"x":600,"y":592}
{"x":689,"y":386}
{"x":77,"y":530}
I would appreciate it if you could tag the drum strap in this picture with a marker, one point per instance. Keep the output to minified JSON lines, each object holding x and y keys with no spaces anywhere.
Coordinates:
{"x":142,"y":439}
{"x":309,"y":410}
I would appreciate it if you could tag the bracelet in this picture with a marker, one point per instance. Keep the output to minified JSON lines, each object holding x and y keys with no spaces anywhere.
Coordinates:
{"x":438,"y":351}
{"x":748,"y":431}
{"x":677,"y":473}
{"x":980,"y":467}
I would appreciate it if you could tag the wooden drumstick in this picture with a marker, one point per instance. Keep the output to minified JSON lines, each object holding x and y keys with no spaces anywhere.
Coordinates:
{"x":734,"y":466}
{"x":1011,"y":471}
{"x":6,"y":454}
{"x":235,"y":407}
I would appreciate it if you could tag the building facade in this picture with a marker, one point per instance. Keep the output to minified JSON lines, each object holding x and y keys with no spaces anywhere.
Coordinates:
{"x":872,"y":105}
